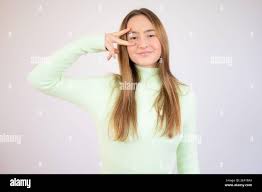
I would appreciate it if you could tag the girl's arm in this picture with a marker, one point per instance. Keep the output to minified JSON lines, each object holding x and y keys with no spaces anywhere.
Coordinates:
{"x":187,"y":155}
{"x":49,"y":78}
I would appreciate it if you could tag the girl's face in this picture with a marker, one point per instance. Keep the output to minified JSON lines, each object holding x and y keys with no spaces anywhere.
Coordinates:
{"x":146,"y":50}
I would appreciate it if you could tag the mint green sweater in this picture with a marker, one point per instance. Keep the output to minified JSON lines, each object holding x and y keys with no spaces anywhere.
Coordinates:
{"x":148,"y":154}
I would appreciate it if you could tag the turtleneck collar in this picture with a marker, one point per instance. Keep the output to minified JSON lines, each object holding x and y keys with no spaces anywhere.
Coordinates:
{"x":149,"y":76}
{"x":146,"y":72}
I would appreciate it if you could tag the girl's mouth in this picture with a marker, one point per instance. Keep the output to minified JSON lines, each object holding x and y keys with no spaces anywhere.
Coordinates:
{"x":144,"y":54}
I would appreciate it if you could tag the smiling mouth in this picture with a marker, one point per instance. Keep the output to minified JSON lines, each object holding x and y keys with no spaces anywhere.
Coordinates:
{"x":144,"y":54}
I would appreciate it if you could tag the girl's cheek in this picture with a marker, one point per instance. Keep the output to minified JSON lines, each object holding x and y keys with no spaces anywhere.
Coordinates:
{"x":157,"y":45}
{"x":130,"y":50}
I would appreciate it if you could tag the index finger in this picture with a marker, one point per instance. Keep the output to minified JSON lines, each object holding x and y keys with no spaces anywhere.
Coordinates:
{"x":122,"y":42}
{"x":122,"y":32}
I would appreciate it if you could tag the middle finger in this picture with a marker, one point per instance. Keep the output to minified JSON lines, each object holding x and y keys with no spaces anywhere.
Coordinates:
{"x":122,"y":42}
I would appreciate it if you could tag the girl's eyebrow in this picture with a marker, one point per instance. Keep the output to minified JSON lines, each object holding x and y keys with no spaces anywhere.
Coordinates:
{"x":146,"y":31}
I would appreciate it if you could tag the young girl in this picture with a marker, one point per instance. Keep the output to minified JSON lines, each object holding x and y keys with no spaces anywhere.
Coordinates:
{"x":145,"y":117}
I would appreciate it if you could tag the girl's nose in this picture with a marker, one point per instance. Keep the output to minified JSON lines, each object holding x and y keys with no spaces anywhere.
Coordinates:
{"x":142,"y":42}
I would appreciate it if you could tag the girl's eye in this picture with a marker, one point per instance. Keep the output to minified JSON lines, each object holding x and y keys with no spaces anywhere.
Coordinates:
{"x":151,"y":35}
{"x":132,"y":38}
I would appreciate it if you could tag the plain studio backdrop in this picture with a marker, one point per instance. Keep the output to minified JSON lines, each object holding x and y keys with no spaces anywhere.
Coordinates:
{"x":215,"y":47}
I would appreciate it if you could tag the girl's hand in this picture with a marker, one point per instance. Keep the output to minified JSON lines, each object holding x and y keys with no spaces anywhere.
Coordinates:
{"x":111,"y":38}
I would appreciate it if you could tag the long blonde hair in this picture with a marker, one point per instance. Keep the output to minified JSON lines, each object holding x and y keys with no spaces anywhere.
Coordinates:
{"x":124,"y":115}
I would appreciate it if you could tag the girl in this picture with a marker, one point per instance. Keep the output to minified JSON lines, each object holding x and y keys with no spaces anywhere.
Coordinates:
{"x":145,"y":117}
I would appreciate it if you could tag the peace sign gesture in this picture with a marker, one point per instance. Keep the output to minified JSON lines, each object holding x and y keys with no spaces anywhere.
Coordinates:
{"x":111,"y":38}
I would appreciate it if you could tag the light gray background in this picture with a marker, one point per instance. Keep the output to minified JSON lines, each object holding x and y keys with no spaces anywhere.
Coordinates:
{"x":215,"y":46}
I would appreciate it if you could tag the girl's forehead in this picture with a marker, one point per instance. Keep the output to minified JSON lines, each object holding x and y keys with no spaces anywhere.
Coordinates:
{"x":141,"y":28}
{"x":136,"y":26}
{"x":139,"y":22}
{"x":141,"y":31}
